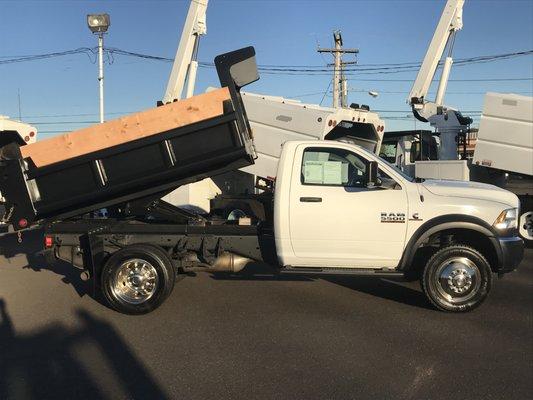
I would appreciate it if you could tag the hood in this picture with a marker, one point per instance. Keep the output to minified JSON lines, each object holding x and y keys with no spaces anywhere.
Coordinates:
{"x":473,"y":190}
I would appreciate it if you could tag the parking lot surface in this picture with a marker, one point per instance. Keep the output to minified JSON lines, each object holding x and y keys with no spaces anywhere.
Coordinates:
{"x":258,"y":336}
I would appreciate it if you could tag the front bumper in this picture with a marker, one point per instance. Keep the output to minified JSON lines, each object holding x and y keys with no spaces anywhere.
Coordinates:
{"x":512,"y":253}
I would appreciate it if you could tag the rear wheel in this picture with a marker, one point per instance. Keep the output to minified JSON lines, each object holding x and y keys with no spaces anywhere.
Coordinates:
{"x":137,"y":279}
{"x":457,"y":278}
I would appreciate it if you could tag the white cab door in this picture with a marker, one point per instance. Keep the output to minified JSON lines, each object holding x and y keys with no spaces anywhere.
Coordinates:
{"x":335,"y":220}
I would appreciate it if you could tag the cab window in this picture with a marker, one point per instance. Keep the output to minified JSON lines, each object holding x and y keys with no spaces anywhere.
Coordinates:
{"x":332,"y":167}
{"x":339,"y":167}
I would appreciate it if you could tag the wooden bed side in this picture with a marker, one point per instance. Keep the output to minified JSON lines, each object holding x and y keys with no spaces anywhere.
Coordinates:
{"x":126,"y":129}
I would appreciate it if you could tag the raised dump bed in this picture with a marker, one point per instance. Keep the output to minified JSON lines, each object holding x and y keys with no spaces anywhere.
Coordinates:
{"x":132,"y":157}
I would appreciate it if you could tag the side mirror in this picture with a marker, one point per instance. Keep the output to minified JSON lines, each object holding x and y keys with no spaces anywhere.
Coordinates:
{"x":372,"y":174}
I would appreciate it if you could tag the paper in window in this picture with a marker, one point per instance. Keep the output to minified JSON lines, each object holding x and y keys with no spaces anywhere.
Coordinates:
{"x":313,"y":172}
{"x":332,"y":172}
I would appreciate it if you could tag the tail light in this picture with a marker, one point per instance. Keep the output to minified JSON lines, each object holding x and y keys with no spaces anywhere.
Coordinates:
{"x":48,"y":241}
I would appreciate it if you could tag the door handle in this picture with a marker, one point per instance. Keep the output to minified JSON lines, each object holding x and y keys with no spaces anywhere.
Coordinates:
{"x":311,"y":199}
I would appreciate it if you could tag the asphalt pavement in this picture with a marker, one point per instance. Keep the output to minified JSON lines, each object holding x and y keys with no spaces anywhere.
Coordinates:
{"x":258,"y":336}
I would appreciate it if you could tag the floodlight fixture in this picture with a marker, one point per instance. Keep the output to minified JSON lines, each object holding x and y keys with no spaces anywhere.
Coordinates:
{"x":98,"y":23}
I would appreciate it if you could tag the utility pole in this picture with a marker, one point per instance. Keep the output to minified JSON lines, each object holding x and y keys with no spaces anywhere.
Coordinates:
{"x":340,"y":84}
{"x":337,"y":68}
{"x":99,"y":24}
{"x":20,"y":112}
{"x":344,"y":90}
{"x":101,"y":74}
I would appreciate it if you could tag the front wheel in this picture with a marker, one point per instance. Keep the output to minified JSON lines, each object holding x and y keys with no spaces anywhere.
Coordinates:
{"x":137,"y":279}
{"x":456,"y":278}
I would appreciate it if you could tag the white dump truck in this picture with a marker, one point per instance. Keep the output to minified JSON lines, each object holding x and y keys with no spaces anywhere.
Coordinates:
{"x":336,"y":208}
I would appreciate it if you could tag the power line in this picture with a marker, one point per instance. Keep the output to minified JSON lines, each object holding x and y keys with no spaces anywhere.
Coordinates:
{"x":398,"y":92}
{"x":409,"y":110}
{"x":309,"y":70}
{"x":389,"y":68}
{"x":63,"y":122}
{"x":52,"y":132}
{"x":452,"y":80}
{"x":81,"y":50}
{"x":96,"y":121}
{"x":77,"y":115}
{"x":302,"y":70}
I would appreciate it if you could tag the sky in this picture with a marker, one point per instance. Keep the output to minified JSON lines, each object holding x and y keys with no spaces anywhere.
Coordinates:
{"x":61,"y":94}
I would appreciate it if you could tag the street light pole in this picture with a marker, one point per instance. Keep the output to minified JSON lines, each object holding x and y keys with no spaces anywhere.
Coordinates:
{"x":101,"y":74}
{"x":99,"y":24}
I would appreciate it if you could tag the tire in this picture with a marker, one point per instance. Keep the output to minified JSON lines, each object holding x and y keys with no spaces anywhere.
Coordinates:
{"x":456,"y":278}
{"x":137,"y":279}
{"x":525,"y":220}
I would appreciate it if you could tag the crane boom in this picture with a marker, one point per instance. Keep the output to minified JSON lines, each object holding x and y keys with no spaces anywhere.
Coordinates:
{"x":450,"y":22}
{"x":185,"y":62}
{"x":448,"y":121}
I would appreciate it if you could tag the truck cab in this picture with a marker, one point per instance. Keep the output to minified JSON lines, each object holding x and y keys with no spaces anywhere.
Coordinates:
{"x":339,"y":205}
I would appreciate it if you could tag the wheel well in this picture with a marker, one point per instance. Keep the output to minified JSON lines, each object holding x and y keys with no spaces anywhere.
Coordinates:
{"x":447,"y":237}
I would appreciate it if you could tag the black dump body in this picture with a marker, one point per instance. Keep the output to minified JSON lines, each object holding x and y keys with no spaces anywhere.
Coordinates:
{"x":137,"y":169}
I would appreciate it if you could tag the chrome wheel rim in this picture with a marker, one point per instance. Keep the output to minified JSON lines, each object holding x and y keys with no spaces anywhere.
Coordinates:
{"x":135,"y":281}
{"x":458,"y":280}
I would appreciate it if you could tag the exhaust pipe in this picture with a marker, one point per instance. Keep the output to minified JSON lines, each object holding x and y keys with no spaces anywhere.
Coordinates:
{"x":229,"y":262}
{"x":226,"y":262}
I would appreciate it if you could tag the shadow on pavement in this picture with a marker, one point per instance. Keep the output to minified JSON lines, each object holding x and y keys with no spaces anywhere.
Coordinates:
{"x":58,"y":362}
{"x":30,"y":248}
{"x":385,"y":289}
{"x":382,"y":288}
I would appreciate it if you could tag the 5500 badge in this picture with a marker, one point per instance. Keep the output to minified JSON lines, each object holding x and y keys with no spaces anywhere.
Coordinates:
{"x":393,"y":217}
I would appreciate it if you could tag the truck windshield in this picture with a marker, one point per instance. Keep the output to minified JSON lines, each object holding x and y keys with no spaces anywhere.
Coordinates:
{"x":399,"y":171}
{"x":388,"y":151}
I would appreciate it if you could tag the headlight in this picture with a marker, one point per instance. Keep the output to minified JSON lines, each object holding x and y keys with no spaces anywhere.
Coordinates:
{"x":507,"y":220}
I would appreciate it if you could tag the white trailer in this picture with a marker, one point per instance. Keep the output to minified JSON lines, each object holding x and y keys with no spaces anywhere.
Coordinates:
{"x":25,"y":132}
{"x":505,"y":137}
{"x":18,"y":131}
{"x":504,"y":150}
{"x":276,"y":120}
